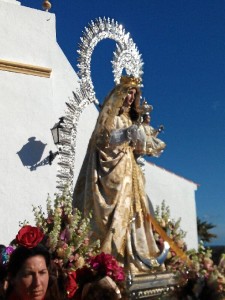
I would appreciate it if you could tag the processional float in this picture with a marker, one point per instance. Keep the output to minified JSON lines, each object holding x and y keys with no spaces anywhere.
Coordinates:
{"x":126,"y":57}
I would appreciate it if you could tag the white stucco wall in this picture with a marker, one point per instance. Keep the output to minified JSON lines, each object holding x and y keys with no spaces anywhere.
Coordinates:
{"x":179,"y":195}
{"x":29,"y":107}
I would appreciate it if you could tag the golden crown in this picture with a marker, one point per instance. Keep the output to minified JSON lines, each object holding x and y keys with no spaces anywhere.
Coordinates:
{"x":130,"y":80}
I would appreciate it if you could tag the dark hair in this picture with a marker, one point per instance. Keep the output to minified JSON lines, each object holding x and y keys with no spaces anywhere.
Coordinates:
{"x":57,"y":281}
{"x":134,"y":115}
{"x":21,"y":254}
{"x":98,"y":291}
{"x":2,"y":247}
{"x":2,"y":266}
{"x":3,"y":274}
{"x":18,"y":258}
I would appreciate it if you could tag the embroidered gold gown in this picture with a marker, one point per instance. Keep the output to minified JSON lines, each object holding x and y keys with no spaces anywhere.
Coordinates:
{"x":111,"y":185}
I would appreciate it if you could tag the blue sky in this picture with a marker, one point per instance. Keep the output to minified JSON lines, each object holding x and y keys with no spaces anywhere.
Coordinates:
{"x":182,"y":43}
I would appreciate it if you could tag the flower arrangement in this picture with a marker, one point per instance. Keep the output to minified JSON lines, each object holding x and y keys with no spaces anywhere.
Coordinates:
{"x":106,"y":265}
{"x":64,"y":231}
{"x":67,"y":232}
{"x":96,"y":267}
{"x":75,"y":277}
{"x":201,"y":277}
{"x":171,"y":227}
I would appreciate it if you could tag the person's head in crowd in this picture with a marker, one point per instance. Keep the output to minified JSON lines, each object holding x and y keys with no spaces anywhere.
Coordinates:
{"x":29,"y":272}
{"x":103,"y":289}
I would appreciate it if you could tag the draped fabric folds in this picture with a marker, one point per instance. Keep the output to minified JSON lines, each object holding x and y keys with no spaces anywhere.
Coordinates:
{"x":111,"y":186}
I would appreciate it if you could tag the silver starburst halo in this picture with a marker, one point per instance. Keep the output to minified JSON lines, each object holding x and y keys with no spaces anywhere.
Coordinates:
{"x":126,"y":57}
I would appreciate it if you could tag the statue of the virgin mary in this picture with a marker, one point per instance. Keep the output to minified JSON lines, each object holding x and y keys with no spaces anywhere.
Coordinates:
{"x":111,"y":184}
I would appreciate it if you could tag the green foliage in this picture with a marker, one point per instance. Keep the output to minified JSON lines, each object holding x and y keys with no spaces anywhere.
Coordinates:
{"x":203,"y":231}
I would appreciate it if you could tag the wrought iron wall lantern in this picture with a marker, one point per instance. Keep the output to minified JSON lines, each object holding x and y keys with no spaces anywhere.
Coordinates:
{"x":57,"y":138}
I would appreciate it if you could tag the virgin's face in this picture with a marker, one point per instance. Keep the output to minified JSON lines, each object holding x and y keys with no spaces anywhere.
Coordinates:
{"x":130,"y":97}
{"x":31,"y":281}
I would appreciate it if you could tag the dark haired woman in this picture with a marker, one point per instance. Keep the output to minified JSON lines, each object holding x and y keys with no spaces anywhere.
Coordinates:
{"x":29,"y":275}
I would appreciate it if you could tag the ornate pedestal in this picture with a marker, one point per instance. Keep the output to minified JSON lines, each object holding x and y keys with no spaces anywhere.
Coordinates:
{"x":151,"y":286}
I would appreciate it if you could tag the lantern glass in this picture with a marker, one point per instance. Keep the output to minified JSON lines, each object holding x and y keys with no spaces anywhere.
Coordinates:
{"x":57,"y":132}
{"x":55,"y":135}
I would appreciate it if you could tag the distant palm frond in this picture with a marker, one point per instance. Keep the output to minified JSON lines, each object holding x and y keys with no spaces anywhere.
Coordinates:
{"x":203,"y":228}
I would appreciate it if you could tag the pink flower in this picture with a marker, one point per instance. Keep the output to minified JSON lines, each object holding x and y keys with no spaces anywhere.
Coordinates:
{"x":9,"y":250}
{"x":65,"y":235}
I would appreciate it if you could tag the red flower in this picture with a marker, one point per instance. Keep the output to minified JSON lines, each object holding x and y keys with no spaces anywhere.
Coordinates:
{"x":71,"y":284}
{"x":29,"y":236}
{"x":107,"y":265}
